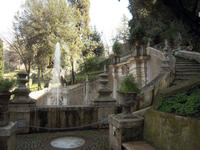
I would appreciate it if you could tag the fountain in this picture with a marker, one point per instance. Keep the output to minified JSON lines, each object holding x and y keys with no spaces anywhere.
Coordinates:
{"x":55,"y":98}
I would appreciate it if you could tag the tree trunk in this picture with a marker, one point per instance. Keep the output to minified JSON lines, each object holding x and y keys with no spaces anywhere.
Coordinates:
{"x":73,"y":73}
{"x":39,"y":83}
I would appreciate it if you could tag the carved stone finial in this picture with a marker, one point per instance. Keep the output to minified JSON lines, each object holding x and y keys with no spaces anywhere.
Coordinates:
{"x":22,"y":92}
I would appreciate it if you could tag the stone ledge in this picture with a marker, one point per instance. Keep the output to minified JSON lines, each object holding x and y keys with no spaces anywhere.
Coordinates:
{"x":140,"y":145}
{"x":120,"y":122}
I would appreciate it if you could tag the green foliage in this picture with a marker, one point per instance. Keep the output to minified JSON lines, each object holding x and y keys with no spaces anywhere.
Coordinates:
{"x":184,"y":104}
{"x":42,"y":23}
{"x":6,"y":85}
{"x":129,"y":85}
{"x":158,"y":22}
{"x":94,"y":45}
{"x":82,"y":78}
{"x":117,"y":47}
{"x":138,"y":33}
{"x":91,"y":64}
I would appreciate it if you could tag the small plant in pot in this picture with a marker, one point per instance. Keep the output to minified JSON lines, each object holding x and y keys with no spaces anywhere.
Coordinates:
{"x":117,"y":50}
{"x":128,"y":91}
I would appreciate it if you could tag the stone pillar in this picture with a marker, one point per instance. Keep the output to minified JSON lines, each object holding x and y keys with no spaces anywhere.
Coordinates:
{"x":21,"y":105}
{"x":87,"y":101}
{"x":7,"y":129}
{"x":122,"y":129}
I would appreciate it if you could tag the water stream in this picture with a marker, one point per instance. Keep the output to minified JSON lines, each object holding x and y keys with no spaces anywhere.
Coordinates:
{"x":55,"y":98}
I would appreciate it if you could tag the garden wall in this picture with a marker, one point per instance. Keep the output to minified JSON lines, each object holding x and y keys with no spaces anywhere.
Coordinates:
{"x":170,"y":132}
{"x":81,"y":94}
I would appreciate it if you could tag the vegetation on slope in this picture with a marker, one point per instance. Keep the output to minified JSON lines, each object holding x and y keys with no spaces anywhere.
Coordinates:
{"x":184,"y":104}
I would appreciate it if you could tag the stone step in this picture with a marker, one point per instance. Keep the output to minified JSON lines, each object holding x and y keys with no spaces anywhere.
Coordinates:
{"x":187,"y":69}
{"x":191,"y":73}
{"x":140,"y":145}
{"x":186,"y":62}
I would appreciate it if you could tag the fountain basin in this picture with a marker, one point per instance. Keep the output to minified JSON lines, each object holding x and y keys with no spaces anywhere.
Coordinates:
{"x":68,"y":142}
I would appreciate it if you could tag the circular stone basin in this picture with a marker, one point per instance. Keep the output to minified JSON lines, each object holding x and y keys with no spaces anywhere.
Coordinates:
{"x":67,"y":142}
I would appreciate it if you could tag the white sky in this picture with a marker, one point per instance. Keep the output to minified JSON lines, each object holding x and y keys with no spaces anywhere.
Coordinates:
{"x":105,"y":15}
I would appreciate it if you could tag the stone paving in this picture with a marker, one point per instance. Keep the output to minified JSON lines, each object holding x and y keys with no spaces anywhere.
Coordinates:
{"x":96,"y":140}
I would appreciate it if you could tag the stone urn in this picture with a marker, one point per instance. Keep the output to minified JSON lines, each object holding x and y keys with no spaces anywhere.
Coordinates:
{"x":4,"y":100}
{"x":128,"y":99}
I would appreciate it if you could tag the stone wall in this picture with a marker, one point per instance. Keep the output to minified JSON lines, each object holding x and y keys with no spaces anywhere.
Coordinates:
{"x":51,"y":118}
{"x":80,"y":94}
{"x":154,"y":64}
{"x":151,"y":90}
{"x":135,"y":65}
{"x":170,"y":132}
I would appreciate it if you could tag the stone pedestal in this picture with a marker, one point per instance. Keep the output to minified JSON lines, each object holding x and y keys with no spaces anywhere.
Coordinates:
{"x":20,"y":113}
{"x":124,"y":128}
{"x":8,"y":137}
{"x":21,"y":105}
{"x":104,"y":101}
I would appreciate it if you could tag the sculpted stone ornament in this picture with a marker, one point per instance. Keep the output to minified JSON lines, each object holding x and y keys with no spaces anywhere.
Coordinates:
{"x":22,"y":92}
{"x":104,"y":92}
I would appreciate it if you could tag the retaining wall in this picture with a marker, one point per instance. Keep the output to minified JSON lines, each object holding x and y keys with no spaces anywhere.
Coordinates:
{"x":170,"y":132}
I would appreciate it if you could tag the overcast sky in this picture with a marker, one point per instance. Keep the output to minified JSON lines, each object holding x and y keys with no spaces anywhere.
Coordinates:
{"x":105,"y":15}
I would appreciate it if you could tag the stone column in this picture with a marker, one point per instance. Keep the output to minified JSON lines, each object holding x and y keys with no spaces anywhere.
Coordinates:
{"x":20,"y":106}
{"x":114,"y":73}
{"x":87,"y":101}
{"x":7,"y":129}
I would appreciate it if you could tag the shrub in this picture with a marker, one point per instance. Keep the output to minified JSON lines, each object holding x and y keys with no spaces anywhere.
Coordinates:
{"x":129,"y":85}
{"x":117,"y":47}
{"x":91,"y":64}
{"x":184,"y":104}
{"x":6,"y":85}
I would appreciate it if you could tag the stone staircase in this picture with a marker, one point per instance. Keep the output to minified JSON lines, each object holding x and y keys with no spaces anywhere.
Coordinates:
{"x":185,"y":70}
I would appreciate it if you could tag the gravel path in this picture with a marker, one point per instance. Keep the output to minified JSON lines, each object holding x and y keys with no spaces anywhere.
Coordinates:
{"x":95,"y":139}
